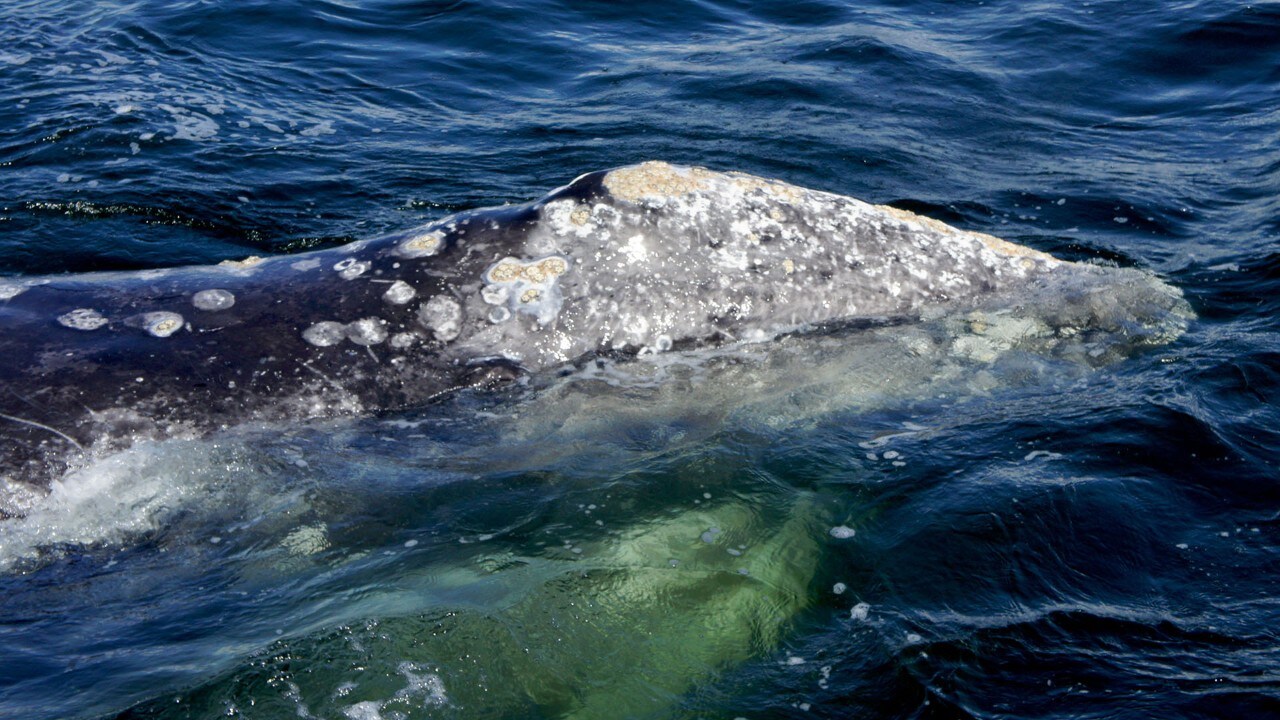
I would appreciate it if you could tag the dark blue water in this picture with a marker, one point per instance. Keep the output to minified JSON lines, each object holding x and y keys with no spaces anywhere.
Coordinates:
{"x":1105,"y":546}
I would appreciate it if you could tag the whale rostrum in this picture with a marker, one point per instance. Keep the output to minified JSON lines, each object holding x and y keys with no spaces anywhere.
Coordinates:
{"x":644,"y":259}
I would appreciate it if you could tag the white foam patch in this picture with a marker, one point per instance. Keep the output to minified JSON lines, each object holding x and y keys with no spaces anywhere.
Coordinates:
{"x":15,"y":59}
{"x":321,"y":128}
{"x":423,"y":689}
{"x":189,"y":125}
{"x":10,"y":289}
{"x":367,"y":710}
{"x":116,"y":498}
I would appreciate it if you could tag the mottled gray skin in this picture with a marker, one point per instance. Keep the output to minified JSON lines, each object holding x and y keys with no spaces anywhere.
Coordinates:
{"x":642,"y":259}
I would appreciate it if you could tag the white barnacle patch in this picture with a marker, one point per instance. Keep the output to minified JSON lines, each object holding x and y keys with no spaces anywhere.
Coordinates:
{"x":367,"y":331}
{"x":402,"y":340}
{"x":325,"y":334}
{"x":350,"y":268}
{"x":82,"y":319}
{"x":399,"y":293}
{"x":526,"y":287}
{"x":442,"y":315}
{"x":495,"y":294}
{"x":423,"y":245}
{"x":160,"y":324}
{"x":213,"y":300}
{"x":635,"y":249}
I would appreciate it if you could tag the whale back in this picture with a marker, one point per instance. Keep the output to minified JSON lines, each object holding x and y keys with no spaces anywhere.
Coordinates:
{"x":640,"y":260}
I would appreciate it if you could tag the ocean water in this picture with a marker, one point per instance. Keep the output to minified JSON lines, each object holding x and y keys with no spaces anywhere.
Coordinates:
{"x":808,"y":531}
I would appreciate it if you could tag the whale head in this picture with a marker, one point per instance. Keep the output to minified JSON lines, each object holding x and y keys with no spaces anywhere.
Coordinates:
{"x":656,"y":257}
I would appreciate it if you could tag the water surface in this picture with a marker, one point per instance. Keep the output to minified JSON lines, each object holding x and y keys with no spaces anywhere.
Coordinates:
{"x":1042,"y":540}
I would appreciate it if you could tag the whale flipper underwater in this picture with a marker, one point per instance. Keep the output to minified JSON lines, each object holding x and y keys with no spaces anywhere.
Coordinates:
{"x":643,"y":259}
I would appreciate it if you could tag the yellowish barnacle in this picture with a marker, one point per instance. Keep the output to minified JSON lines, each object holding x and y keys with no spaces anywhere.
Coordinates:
{"x":529,"y":295}
{"x":580,"y":215}
{"x":788,"y":266}
{"x":505,"y":271}
{"x":554,"y":266}
{"x":420,"y":245}
{"x":654,"y":179}
{"x":245,"y":263}
{"x":534,"y":273}
{"x":160,"y":324}
{"x":991,"y":242}
{"x":747,"y":183}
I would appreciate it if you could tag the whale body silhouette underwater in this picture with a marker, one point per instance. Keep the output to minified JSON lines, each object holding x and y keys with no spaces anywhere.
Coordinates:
{"x":649,"y":258}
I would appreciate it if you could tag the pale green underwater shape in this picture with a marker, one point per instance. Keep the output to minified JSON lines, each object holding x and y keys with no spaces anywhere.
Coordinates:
{"x":625,"y":629}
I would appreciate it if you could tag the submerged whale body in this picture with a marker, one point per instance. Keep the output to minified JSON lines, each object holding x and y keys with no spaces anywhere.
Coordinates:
{"x":640,"y":260}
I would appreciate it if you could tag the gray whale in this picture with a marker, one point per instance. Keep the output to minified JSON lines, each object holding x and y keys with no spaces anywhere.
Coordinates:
{"x":644,"y":259}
